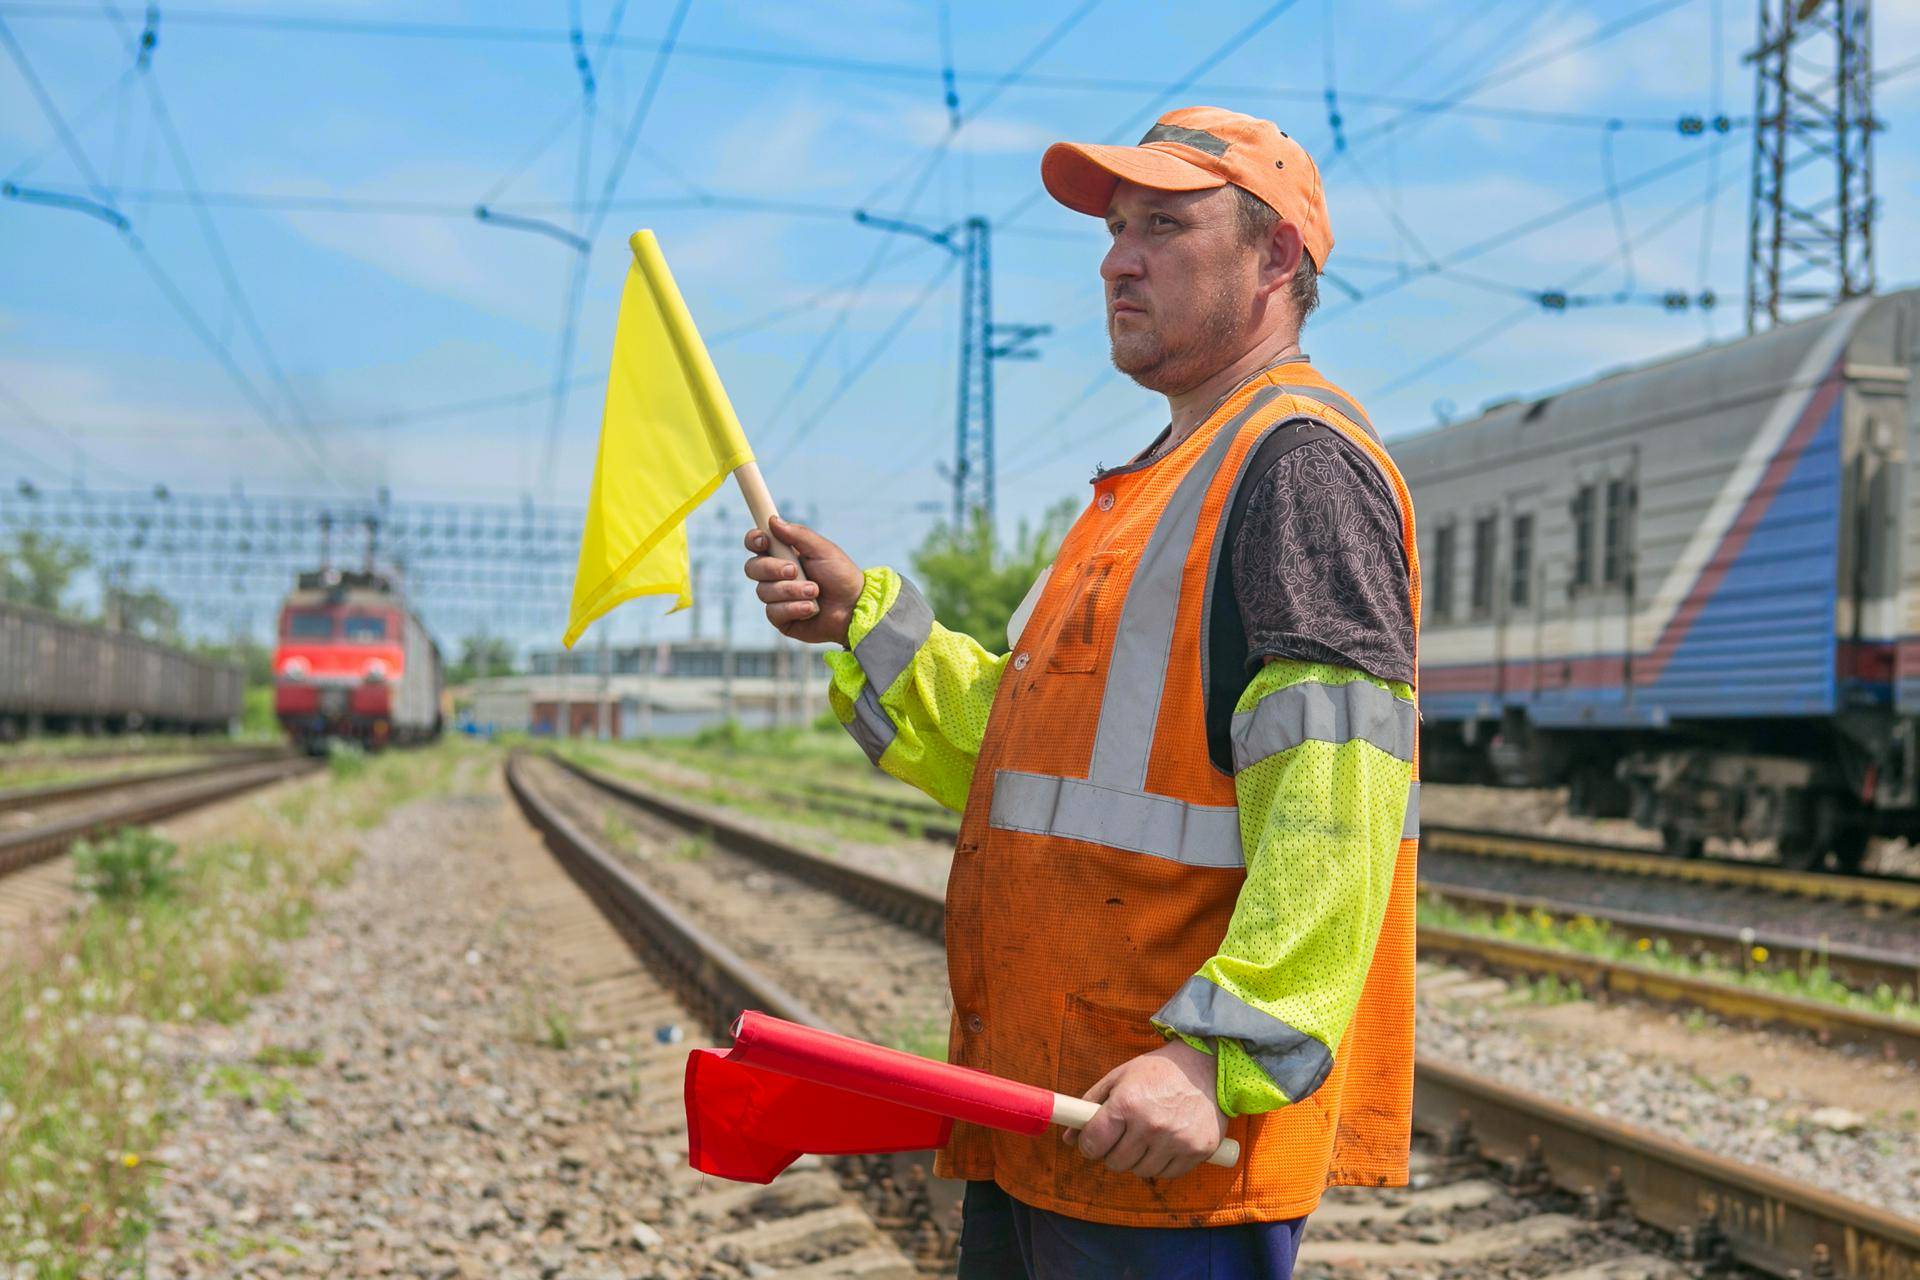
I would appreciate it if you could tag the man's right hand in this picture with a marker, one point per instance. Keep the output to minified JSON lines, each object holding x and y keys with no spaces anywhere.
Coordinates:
{"x":816,"y":608}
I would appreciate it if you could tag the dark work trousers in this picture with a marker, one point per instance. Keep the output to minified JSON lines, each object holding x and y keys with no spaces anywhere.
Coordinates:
{"x":1002,"y":1239}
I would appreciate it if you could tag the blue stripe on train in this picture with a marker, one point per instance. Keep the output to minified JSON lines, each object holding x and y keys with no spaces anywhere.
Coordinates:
{"x":1763,"y":644}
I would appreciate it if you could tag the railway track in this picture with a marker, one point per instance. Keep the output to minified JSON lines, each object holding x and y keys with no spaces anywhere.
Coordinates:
{"x":1800,"y":948}
{"x":37,"y":797}
{"x":712,"y":983}
{"x":140,"y":798}
{"x":1715,"y":1211}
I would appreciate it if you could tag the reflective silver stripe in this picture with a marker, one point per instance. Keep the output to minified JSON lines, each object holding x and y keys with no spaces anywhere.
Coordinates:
{"x":1143,"y":641}
{"x":1333,"y":400}
{"x":1410,"y":825}
{"x":887,"y":650}
{"x":1137,"y":821}
{"x":1314,"y":712}
{"x":1292,"y":1059}
{"x":870,"y":726}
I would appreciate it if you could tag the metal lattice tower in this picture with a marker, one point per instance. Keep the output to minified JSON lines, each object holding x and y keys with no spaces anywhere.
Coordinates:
{"x":1810,"y":225}
{"x":981,"y":343}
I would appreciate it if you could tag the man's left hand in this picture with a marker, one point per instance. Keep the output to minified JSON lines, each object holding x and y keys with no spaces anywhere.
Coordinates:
{"x":1158,"y":1117}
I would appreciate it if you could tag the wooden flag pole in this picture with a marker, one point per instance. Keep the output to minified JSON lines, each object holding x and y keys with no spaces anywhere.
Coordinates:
{"x":753,"y":487}
{"x":1078,"y":1113}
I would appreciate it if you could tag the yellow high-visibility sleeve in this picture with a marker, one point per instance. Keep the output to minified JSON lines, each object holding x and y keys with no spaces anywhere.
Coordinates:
{"x":913,"y":694}
{"x":1323,"y":764}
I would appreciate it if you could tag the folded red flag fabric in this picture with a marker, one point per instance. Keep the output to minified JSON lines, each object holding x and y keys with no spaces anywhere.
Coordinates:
{"x":784,"y":1090}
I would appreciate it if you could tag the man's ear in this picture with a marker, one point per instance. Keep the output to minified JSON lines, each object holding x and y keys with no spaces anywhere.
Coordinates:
{"x":1282,"y":257}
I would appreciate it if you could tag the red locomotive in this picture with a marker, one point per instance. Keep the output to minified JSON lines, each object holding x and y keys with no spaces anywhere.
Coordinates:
{"x":354,"y":664}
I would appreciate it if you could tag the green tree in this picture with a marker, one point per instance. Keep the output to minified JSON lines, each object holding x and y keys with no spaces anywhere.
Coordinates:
{"x":144,"y":613}
{"x":973,"y":585}
{"x":37,"y":570}
{"x":481,"y":656}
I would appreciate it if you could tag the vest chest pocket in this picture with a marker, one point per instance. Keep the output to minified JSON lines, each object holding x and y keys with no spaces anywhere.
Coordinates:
{"x":1080,"y":639}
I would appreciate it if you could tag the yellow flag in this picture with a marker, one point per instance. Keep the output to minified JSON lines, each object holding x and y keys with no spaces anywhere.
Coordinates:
{"x":668,"y":439}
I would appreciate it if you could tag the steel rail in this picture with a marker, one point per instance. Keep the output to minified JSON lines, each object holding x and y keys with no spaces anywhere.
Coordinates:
{"x":25,"y":847}
{"x":1717,"y":1207}
{"x":28,"y":797}
{"x":913,"y":817}
{"x":1832,"y":1023}
{"x":716,"y":982}
{"x":1861,"y":967}
{"x":1898,"y":892}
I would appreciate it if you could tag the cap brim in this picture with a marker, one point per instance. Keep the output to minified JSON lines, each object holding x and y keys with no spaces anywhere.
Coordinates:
{"x":1082,"y":175}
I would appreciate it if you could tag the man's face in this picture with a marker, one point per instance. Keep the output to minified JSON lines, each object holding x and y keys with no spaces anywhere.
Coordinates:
{"x":1180,"y":285}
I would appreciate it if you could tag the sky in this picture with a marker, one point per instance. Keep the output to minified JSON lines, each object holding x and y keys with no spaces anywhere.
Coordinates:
{"x":333,"y":318}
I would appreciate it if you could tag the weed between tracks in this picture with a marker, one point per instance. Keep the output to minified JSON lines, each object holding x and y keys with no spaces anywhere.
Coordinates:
{"x":82,"y":1097}
{"x":1586,"y":936}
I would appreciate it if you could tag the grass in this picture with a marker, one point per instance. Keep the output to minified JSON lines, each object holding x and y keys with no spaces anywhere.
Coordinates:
{"x":925,"y":1036}
{"x":82,"y":1097}
{"x":1584,"y":935}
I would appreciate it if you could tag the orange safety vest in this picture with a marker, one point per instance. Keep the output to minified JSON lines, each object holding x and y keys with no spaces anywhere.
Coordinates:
{"x":1099,"y":859}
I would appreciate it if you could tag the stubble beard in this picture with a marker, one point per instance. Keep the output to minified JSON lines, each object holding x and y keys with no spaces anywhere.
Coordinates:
{"x":1147,"y":357}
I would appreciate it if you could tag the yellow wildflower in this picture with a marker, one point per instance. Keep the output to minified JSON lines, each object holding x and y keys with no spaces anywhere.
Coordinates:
{"x":1644,"y":944}
{"x":131,"y":1160}
{"x":1759,"y":955}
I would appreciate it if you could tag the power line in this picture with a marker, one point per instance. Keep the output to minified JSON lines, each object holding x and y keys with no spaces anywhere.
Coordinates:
{"x":141,"y":45}
{"x":1162,"y":93}
{"x":883,"y":250}
{"x":563,"y":364}
{"x":866,"y":361}
{"x":1545,"y":57}
{"x":1514,"y":318}
{"x":323,"y":25}
{"x":171,"y":291}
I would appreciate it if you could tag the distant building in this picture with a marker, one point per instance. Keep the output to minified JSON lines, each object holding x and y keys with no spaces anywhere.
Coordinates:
{"x":656,"y":690}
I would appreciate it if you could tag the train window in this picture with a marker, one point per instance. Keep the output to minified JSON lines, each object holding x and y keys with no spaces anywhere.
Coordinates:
{"x":1486,"y":537}
{"x":1582,"y":512}
{"x":365,"y":628}
{"x":1442,"y":593}
{"x":1520,"y":583}
{"x":306,"y":624}
{"x":1613,"y":561}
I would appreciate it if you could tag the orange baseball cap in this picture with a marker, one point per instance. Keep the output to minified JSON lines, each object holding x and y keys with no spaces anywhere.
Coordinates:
{"x":1195,"y":149}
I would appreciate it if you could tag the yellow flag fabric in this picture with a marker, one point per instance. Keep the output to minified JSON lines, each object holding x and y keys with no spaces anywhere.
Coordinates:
{"x":668,"y":439}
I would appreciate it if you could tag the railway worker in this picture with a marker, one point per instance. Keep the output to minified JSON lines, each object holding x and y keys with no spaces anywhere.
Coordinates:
{"x":1183,"y":884}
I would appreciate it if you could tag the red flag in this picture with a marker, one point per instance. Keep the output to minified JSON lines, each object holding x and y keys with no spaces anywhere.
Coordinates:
{"x":784,"y":1090}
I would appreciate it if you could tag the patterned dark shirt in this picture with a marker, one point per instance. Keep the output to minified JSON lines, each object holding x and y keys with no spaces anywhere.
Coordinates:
{"x":1319,"y":568}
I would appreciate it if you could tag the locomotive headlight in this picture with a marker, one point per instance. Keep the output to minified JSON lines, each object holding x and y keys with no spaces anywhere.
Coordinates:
{"x":376,"y":671}
{"x":295,"y":668}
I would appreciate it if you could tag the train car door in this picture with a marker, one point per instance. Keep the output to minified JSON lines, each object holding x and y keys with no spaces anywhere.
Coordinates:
{"x":1600,"y":585}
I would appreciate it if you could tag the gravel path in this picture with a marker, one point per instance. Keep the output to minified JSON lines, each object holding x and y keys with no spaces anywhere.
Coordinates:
{"x":466,"y":1076}
{"x":1832,"y":1119}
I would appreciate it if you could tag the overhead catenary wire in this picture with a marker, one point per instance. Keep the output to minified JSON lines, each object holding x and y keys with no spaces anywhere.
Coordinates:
{"x":1513,"y":319}
{"x":576,"y":289}
{"x":874,"y":68}
{"x":885,"y":248}
{"x":1513,"y":71}
{"x":168,"y":288}
{"x":141,"y":45}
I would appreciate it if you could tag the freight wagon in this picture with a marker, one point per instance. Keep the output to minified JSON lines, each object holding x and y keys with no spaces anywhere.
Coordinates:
{"x":1690,"y":591}
{"x":353,"y":663}
{"x":58,"y":675}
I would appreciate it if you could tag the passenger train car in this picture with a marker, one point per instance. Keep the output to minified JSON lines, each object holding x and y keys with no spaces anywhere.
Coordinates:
{"x":1690,"y":590}
{"x":354,"y":664}
{"x":59,"y":675}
